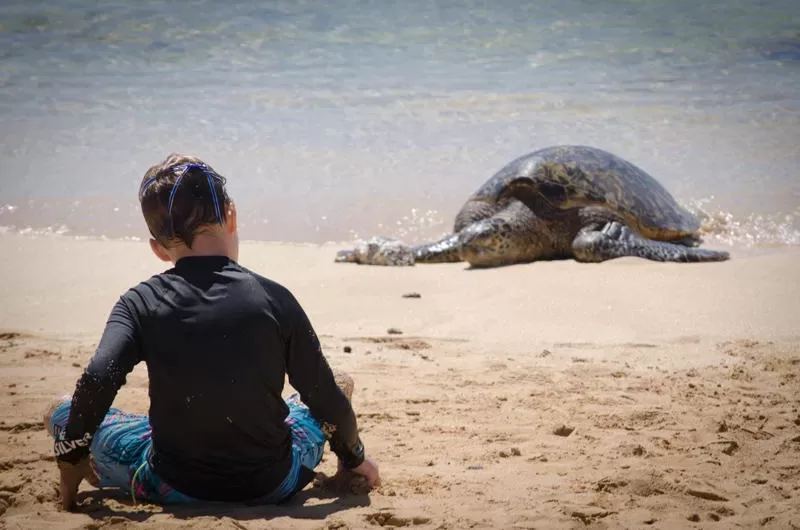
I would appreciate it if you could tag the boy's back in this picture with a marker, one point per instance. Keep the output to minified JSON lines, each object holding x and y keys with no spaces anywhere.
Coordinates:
{"x":218,"y":341}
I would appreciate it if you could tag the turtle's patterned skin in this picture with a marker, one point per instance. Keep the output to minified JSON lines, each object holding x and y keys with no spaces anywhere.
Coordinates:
{"x":378,"y":251}
{"x":567,"y":202}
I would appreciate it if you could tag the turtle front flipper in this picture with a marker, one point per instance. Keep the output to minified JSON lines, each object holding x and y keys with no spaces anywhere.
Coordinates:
{"x":382,"y":251}
{"x":601,"y":242}
{"x":446,"y":250}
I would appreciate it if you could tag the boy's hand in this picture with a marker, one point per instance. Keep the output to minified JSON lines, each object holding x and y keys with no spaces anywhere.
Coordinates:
{"x":369,"y":470}
{"x":71,"y":477}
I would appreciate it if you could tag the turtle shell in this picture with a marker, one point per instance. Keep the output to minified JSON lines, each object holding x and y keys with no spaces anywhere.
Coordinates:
{"x":574,"y":176}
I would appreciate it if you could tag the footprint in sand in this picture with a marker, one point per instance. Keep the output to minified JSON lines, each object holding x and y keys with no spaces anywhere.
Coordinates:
{"x":22,"y":426}
{"x":39,"y":353}
{"x":384,"y":518}
{"x":396,"y":342}
{"x":7,"y":495}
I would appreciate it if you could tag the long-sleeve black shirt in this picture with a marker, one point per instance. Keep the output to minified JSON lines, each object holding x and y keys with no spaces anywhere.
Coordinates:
{"x":218,"y":340}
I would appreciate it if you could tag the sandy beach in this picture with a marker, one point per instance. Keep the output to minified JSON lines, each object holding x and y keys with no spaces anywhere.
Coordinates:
{"x":628,"y":394}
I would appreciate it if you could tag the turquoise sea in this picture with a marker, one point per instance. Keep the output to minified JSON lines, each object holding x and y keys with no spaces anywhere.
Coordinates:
{"x":345,"y":118}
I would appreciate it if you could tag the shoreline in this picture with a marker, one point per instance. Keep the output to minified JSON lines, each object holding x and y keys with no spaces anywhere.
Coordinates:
{"x":342,"y":223}
{"x":713,"y":239}
{"x":96,"y":271}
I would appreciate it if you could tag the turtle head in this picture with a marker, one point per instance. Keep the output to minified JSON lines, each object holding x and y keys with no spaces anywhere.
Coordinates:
{"x":345,"y":256}
{"x":488,"y":243}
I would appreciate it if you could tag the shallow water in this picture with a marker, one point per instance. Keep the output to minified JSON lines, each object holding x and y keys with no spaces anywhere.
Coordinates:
{"x":340,"y":119}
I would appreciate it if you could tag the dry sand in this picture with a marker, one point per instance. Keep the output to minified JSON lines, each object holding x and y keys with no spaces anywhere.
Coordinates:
{"x":628,"y":394}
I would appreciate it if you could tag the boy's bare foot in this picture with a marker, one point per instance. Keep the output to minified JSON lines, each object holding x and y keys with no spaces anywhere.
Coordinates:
{"x":50,"y":410}
{"x":345,"y":382}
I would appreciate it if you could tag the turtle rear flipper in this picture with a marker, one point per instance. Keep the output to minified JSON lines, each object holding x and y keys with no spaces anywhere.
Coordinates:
{"x":596,"y":243}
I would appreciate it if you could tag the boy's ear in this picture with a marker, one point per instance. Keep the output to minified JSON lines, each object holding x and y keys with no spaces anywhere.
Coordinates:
{"x":159,"y":250}
{"x":230,"y":218}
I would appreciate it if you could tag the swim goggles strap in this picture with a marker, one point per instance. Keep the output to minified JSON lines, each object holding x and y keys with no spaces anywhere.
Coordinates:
{"x":181,"y":171}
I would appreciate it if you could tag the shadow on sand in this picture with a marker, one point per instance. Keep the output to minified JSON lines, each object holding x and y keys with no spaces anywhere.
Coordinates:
{"x":94,"y":504}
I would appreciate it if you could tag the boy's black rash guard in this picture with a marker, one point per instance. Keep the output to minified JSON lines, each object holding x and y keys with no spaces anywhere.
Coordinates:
{"x":217,"y":340}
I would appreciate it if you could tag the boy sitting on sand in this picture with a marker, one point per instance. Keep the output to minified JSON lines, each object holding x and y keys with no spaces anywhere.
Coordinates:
{"x":218,"y":341}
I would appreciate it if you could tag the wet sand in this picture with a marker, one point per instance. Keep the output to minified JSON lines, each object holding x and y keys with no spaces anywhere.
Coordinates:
{"x":628,"y":394}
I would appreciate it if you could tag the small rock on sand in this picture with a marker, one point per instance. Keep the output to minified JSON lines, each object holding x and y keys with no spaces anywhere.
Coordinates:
{"x":563,"y":430}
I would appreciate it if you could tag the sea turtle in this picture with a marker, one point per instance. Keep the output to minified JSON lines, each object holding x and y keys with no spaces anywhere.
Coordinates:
{"x":568,"y":201}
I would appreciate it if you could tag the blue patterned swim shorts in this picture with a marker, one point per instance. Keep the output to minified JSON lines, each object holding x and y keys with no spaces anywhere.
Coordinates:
{"x":122,"y":445}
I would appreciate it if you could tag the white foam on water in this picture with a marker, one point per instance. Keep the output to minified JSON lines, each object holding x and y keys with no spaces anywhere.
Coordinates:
{"x":751,"y":230}
{"x":718,"y":226}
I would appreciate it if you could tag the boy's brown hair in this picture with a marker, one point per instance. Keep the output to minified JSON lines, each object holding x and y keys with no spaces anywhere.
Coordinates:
{"x":180,"y":197}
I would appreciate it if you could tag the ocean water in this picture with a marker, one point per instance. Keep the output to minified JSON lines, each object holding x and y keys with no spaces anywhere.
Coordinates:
{"x":341,"y":119}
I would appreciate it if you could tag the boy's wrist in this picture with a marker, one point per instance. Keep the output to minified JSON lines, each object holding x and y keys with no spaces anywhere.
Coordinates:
{"x":354,"y":458}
